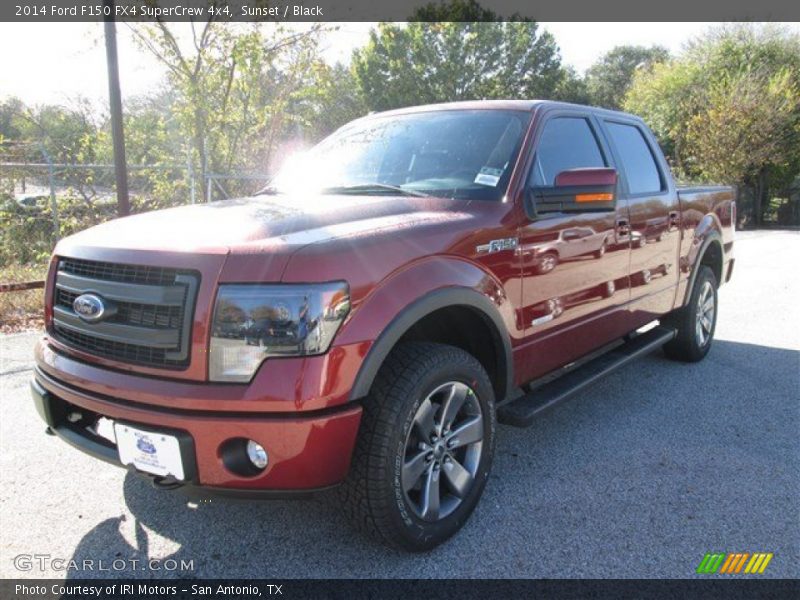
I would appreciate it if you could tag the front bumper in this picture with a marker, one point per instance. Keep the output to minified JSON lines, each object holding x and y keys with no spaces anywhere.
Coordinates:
{"x":307,"y":451}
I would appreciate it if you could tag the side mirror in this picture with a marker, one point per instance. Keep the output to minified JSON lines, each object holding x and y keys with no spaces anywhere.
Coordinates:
{"x":578,"y":190}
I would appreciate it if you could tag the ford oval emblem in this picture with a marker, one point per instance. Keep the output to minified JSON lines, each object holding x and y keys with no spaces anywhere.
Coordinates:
{"x":145,"y":445}
{"x":89,"y":307}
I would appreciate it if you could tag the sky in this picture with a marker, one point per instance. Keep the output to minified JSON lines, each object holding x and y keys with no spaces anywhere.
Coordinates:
{"x":58,"y":62}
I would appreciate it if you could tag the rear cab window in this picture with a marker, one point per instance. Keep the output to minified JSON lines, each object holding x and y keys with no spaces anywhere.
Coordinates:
{"x":636,"y":157}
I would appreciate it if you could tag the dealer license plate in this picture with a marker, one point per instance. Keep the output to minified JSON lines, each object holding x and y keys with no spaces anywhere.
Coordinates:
{"x":149,"y":451}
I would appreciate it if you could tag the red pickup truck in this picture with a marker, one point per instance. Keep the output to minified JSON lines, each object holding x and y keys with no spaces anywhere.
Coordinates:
{"x":368,"y":319}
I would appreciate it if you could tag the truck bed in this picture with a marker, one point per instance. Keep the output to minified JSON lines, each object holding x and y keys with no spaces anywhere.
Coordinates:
{"x":716,"y":205}
{"x":719,"y":200}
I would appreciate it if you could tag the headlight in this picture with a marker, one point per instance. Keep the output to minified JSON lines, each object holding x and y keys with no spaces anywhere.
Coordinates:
{"x":254,"y":322}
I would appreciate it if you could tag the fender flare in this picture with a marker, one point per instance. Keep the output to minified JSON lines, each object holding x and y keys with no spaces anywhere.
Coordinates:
{"x":405,"y":319}
{"x":712,"y":236}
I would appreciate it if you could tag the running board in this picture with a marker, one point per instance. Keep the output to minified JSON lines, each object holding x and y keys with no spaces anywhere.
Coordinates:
{"x":522,"y":411}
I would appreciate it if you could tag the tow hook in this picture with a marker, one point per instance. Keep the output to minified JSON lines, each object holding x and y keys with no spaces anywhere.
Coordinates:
{"x":166,"y":483}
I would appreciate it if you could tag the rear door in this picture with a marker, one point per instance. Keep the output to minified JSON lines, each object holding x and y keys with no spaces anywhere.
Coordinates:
{"x":654,"y":217}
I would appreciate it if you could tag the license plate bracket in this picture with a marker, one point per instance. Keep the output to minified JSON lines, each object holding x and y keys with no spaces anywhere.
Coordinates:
{"x":155,"y":452}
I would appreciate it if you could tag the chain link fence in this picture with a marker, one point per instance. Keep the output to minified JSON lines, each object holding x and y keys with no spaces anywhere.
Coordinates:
{"x":43,"y":201}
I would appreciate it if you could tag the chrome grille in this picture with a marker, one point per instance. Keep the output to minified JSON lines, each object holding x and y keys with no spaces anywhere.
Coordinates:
{"x":120,"y":272}
{"x":146,"y":315}
{"x":151,"y":321}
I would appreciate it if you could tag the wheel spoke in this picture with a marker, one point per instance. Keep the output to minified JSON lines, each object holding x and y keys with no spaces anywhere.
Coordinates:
{"x":413,"y":470}
{"x":704,"y":294}
{"x":430,"y":495}
{"x":453,"y":403}
{"x":708,"y":305}
{"x":699,"y":333}
{"x":458,"y":477}
{"x":468,"y":433}
{"x":424,"y":419}
{"x":706,"y":323}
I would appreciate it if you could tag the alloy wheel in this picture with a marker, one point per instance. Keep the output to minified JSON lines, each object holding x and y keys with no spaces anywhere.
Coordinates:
{"x":704,"y":321}
{"x":443,"y":451}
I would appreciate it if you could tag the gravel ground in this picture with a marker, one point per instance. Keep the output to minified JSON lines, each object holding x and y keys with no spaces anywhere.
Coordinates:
{"x":637,"y":477}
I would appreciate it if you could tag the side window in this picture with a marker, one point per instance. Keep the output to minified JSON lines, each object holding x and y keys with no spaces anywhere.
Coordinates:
{"x":566,"y":143}
{"x":637,"y":158}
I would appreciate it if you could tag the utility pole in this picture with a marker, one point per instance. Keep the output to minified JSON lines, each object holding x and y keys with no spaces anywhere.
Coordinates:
{"x":115,"y":106}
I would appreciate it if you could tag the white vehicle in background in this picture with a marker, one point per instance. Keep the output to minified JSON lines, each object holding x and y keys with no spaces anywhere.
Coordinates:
{"x":570,"y":243}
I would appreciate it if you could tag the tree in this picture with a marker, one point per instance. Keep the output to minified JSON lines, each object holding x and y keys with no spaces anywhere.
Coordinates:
{"x":11,"y":111}
{"x":609,"y":79}
{"x":61,"y":134}
{"x":571,"y":88}
{"x":457,"y":10}
{"x":154,"y":136}
{"x":233,"y":87}
{"x":331,"y":99}
{"x":447,"y":61}
{"x":67,"y":134}
{"x":729,"y":109}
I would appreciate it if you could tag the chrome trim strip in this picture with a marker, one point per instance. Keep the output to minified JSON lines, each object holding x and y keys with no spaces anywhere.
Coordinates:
{"x":116,"y":332}
{"x":188,"y":284}
{"x":123,"y":292}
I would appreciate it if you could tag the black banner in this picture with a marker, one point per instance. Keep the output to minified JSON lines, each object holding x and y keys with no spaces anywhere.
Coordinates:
{"x":404,"y":589}
{"x":399,"y":10}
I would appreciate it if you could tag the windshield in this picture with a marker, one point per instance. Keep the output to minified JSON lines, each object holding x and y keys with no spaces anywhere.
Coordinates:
{"x":464,"y":154}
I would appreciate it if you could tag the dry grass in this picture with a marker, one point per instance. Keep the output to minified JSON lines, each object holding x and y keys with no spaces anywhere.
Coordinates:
{"x":21,"y":311}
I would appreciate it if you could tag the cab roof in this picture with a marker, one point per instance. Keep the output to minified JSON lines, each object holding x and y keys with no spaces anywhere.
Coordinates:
{"x":520,"y":105}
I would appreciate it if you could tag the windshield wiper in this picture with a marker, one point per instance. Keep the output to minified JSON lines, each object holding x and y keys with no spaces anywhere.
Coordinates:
{"x":366,"y":188}
{"x":268,"y":191}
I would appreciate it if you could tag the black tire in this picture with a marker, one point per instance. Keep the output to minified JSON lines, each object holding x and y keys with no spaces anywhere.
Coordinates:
{"x":374,"y":495}
{"x":601,"y":252}
{"x":687,"y":345}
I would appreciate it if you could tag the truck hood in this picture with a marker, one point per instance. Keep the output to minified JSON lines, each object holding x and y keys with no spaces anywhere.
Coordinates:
{"x":250,"y":225}
{"x":258,"y":235}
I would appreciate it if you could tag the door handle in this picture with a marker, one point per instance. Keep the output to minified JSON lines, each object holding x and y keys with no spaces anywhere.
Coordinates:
{"x":623,"y":227}
{"x":674,"y":218}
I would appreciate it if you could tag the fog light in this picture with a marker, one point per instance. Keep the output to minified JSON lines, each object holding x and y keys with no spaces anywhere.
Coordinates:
{"x":257,"y":454}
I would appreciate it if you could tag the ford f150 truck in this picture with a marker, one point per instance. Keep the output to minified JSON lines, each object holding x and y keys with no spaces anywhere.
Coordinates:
{"x":367,"y":319}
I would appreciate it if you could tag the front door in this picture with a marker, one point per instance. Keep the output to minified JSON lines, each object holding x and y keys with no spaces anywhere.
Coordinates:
{"x":574,"y":265}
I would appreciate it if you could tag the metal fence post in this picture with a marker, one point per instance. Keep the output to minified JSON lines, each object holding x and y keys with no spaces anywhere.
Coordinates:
{"x":53,"y":204}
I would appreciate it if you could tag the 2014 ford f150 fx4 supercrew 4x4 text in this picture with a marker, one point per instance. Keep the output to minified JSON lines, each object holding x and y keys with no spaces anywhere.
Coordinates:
{"x":366,"y":320}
